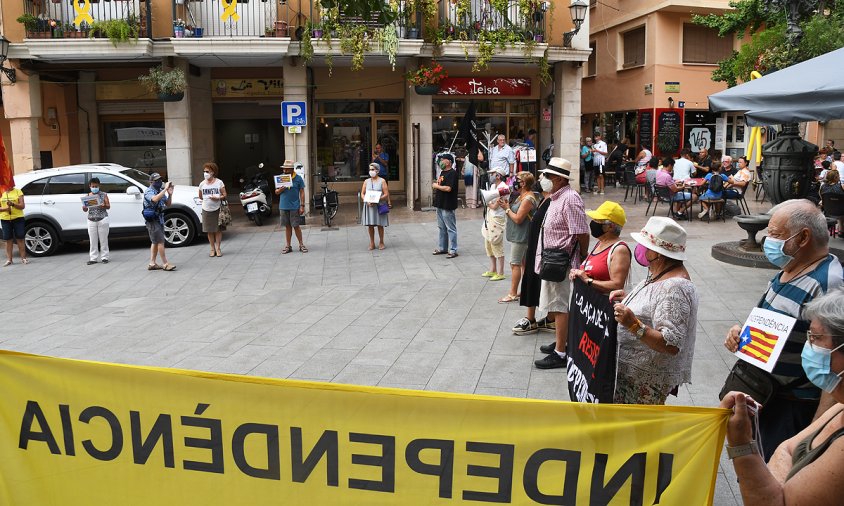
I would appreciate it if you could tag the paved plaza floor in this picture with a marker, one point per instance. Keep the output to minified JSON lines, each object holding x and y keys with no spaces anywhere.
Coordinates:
{"x":340,"y":313}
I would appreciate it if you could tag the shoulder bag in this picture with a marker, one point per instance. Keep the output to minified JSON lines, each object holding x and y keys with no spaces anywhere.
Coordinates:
{"x":554,"y":263}
{"x":225,"y":218}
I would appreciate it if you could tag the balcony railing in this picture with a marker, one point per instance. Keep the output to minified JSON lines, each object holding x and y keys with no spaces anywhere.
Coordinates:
{"x":76,"y":19}
{"x":469,"y":19}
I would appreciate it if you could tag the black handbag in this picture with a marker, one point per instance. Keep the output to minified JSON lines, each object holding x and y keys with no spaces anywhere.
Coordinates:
{"x":753,"y":381}
{"x":554,"y":263}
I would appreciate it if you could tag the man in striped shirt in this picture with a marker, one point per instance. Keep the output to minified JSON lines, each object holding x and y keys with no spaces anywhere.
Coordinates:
{"x":798,"y":243}
{"x":565,"y":227}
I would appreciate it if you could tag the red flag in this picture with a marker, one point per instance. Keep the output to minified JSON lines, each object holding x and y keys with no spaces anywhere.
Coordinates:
{"x":7,"y":181}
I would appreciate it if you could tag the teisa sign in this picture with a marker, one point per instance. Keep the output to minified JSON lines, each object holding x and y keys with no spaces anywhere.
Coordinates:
{"x":294,"y":114}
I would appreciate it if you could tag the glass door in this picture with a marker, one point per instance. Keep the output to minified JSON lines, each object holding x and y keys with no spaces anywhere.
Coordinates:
{"x":388,"y":134}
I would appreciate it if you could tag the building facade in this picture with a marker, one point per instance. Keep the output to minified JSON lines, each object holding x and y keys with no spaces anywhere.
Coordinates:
{"x":77,"y":98}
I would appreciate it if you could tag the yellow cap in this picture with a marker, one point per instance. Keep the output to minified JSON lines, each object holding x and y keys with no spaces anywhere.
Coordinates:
{"x":611,"y":211}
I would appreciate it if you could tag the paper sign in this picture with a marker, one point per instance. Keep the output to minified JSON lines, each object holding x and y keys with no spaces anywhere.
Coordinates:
{"x":90,"y":200}
{"x":285,"y":180}
{"x":372,"y":196}
{"x":763,"y":337}
{"x":528,"y":155}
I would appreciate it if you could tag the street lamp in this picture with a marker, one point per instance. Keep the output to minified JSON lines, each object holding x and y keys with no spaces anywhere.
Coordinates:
{"x":4,"y":53}
{"x":577,"y":9}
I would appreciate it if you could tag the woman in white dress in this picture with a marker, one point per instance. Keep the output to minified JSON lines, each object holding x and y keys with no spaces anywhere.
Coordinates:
{"x":372,"y":217}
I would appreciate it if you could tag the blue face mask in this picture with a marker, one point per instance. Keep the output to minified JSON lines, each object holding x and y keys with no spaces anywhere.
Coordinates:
{"x":95,"y":189}
{"x":157,"y":185}
{"x":816,"y":363}
{"x":773,"y":251}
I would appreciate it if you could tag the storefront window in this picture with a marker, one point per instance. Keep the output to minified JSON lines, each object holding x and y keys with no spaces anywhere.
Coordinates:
{"x":513,"y":118}
{"x":343,"y":107}
{"x":137,"y":144}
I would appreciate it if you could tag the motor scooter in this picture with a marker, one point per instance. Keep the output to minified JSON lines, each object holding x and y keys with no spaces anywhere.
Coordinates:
{"x":256,"y":197}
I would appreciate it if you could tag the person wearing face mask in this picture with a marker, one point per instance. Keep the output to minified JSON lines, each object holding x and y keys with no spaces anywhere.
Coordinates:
{"x":657,"y":318}
{"x":494,"y":226}
{"x":97,"y":223}
{"x":807,"y":468}
{"x":517,"y":228}
{"x":797,"y":243}
{"x":157,"y":197}
{"x":445,"y":200}
{"x":531,"y":283}
{"x":212,"y":192}
{"x":372,"y":217}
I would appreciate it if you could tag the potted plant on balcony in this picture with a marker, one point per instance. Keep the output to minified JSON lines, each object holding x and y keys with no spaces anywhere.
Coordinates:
{"x":169,"y":85}
{"x":116,"y":30}
{"x":179,"y":28}
{"x":30,"y":24}
{"x":426,"y":80}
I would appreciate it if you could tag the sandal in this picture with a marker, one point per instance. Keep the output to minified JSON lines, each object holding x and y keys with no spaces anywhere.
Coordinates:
{"x":169,"y":267}
{"x":508,"y":298}
{"x":154,"y":267}
{"x":302,"y":248}
{"x":439,"y":252}
{"x":213,"y":254}
{"x":381,"y":246}
{"x":25,"y":261}
{"x":285,"y":250}
{"x":8,"y":263}
{"x":452,"y":255}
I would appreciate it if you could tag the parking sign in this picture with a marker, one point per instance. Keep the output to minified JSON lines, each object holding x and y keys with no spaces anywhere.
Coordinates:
{"x":294,"y":114}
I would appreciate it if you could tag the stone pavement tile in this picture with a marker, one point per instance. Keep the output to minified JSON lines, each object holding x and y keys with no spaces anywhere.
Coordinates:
{"x":277,"y":366}
{"x":227,"y":343}
{"x":355,"y":306}
{"x":465,"y":355}
{"x":305,"y":345}
{"x":175,"y":352}
{"x":376,"y":315}
{"x":361,"y":374}
{"x":281,"y":334}
{"x":404,"y":386}
{"x":506,"y":343}
{"x":447,"y":317}
{"x":324,"y":366}
{"x":548,"y":384}
{"x":412,"y":368}
{"x":199,"y":363}
{"x":246,"y":359}
{"x":402,"y":328}
{"x":502,"y":392}
{"x":506,"y":371}
{"x":380,"y":352}
{"x":454,"y":380}
{"x":330,"y":324}
{"x":353,"y":338}
{"x":432,"y":340}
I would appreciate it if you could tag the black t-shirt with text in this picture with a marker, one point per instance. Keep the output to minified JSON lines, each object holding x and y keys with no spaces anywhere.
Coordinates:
{"x":446,"y":200}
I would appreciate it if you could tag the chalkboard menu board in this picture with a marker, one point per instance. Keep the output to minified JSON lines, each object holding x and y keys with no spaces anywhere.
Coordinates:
{"x":669,"y":129}
{"x":646,"y":128}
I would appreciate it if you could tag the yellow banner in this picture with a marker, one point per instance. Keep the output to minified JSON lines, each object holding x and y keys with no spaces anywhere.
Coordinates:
{"x":76,"y":433}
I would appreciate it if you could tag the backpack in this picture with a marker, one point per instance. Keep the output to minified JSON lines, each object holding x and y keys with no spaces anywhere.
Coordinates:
{"x":716,"y":183}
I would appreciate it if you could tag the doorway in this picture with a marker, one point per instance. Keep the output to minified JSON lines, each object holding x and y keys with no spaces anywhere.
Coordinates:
{"x":241,"y":144}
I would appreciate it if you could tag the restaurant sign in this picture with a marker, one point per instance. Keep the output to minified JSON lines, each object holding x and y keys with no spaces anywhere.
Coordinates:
{"x":239,"y":88}
{"x":501,"y":86}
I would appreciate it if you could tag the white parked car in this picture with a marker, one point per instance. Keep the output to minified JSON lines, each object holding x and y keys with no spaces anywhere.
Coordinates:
{"x":54,"y":210}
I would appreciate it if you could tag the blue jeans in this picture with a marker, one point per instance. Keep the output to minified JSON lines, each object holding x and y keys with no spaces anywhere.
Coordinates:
{"x":447,"y":223}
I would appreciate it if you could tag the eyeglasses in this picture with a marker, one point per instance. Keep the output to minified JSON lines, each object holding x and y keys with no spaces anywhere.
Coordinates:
{"x":812,"y":337}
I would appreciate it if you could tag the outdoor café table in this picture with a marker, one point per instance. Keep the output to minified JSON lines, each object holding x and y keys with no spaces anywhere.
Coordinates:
{"x":695,"y":185}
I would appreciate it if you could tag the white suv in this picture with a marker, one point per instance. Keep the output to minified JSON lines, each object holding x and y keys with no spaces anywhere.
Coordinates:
{"x":54,"y":210}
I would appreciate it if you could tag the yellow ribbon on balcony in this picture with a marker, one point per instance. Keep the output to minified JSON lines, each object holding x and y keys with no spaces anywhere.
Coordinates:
{"x":755,"y":142}
{"x":83,"y":12}
{"x":229,"y":11}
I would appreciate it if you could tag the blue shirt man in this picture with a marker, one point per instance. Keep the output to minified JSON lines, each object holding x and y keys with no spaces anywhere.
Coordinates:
{"x":382,"y":158}
{"x":291,"y":207}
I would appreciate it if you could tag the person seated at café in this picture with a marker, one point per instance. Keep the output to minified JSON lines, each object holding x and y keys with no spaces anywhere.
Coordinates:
{"x":831,"y":185}
{"x":738,"y":181}
{"x":727,"y":165}
{"x":681,"y":200}
{"x":824,"y":170}
{"x":703,"y":163}
{"x":714,"y":191}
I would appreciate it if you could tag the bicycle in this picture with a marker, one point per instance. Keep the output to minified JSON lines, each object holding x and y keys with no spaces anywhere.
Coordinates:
{"x":327,"y":201}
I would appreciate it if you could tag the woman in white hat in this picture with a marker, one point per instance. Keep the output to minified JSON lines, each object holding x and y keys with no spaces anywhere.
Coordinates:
{"x":657,"y":319}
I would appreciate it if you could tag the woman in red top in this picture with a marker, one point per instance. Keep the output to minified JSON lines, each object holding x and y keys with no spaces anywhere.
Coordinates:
{"x":608,"y":264}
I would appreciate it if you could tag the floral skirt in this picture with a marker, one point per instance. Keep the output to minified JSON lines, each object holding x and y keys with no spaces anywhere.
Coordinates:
{"x":634,"y":390}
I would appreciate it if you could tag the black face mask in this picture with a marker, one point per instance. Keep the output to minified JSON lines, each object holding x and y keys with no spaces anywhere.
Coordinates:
{"x":597,"y":229}
{"x":517,"y":183}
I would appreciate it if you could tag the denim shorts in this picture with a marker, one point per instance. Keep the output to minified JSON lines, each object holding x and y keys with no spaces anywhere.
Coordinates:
{"x":14,"y":229}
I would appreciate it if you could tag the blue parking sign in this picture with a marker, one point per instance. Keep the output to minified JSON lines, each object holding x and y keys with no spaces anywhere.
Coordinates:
{"x":294,"y":114}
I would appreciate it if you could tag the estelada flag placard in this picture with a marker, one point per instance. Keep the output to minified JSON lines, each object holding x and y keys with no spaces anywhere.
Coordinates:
{"x":763,"y":336}
{"x":74,"y":432}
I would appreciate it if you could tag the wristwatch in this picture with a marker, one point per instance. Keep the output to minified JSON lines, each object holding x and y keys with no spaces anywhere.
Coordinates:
{"x":742,"y":450}
{"x":589,"y":281}
{"x":638,"y":329}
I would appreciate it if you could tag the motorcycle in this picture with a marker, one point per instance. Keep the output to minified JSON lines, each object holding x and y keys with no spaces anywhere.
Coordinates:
{"x":256,"y":197}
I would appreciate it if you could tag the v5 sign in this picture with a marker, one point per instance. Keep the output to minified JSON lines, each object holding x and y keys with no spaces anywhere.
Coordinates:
{"x":294,"y":114}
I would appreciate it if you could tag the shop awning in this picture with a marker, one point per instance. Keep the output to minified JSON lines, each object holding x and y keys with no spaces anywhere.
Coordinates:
{"x":812,"y":90}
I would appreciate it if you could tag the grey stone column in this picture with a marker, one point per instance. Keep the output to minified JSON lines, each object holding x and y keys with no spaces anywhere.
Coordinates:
{"x":418,"y":110}
{"x":178,"y":132}
{"x":201,"y":123}
{"x":298,"y":147}
{"x":22,"y":107}
{"x":566,"y":114}
{"x":88,"y":118}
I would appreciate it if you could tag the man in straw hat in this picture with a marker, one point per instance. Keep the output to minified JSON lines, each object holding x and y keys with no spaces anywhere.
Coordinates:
{"x":564,"y":227}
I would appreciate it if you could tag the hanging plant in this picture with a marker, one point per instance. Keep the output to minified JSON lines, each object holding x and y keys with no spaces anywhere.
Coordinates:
{"x":306,"y":47}
{"x":499,"y":6}
{"x":544,"y":69}
{"x":354,"y":41}
{"x":165,"y":83}
{"x":389,"y":39}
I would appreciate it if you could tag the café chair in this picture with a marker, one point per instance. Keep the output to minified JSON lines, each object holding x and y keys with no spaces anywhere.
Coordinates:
{"x":660,"y":194}
{"x":833,"y":209}
{"x":632,"y":186}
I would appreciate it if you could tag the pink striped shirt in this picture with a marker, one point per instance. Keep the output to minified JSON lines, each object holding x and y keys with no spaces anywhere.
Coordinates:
{"x":564,"y":221}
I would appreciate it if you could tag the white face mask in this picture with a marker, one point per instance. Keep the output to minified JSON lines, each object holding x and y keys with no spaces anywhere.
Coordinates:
{"x":207,"y":175}
{"x":373,"y":173}
{"x":546,"y":184}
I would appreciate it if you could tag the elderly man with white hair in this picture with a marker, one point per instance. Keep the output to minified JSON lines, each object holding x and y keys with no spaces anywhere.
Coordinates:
{"x":797,"y":243}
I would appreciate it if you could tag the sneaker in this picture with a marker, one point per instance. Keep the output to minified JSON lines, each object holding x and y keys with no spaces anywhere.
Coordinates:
{"x":548,"y":348}
{"x":91,"y":262}
{"x":497,"y":277}
{"x":488,"y":274}
{"x":701,"y":214}
{"x":601,"y":192}
{"x":547,"y":326}
{"x":524,"y":326}
{"x":551,"y":361}
{"x":105,"y":260}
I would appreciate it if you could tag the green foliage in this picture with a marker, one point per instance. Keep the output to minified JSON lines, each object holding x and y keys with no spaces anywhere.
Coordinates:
{"x":306,"y":46}
{"x":769,"y":49}
{"x":170,"y":82}
{"x":363,"y":8}
{"x":489,"y":42}
{"x":544,"y":69}
{"x":29,"y":22}
{"x":117,"y":30}
{"x":354,"y":40}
